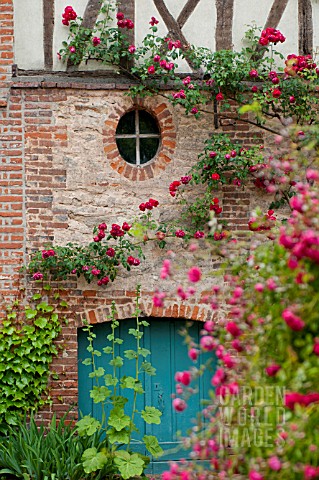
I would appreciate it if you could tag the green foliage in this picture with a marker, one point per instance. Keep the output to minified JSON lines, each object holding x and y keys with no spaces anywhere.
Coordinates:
{"x":119,"y":426}
{"x":27,"y":347}
{"x":45,"y":453}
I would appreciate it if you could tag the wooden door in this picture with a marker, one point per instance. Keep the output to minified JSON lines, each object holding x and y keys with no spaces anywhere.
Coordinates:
{"x":168,"y":355}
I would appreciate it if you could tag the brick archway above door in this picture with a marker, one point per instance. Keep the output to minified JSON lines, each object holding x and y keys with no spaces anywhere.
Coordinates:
{"x":161,"y":110}
{"x":200,"y":313}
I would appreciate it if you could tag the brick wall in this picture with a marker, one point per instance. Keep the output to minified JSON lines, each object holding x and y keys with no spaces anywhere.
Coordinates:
{"x":11,"y":161}
{"x":61,"y":175}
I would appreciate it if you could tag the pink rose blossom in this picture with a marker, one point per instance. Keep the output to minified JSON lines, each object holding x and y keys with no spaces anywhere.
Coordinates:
{"x":194,"y":274}
{"x":37,"y":276}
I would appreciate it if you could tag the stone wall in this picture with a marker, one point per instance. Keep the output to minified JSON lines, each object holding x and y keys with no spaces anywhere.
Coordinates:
{"x":62,"y":175}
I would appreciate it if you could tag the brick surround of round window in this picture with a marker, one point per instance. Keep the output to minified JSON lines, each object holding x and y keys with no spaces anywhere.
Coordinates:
{"x":165,"y":152}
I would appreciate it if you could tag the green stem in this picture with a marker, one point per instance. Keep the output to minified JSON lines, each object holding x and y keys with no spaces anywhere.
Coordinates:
{"x":137,"y":312}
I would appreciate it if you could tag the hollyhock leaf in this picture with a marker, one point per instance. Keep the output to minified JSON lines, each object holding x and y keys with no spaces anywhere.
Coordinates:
{"x":93,"y":460}
{"x":152,"y":445}
{"x":148,"y":368}
{"x":129,"y":465}
{"x":118,"y":419}
{"x":151,"y":415}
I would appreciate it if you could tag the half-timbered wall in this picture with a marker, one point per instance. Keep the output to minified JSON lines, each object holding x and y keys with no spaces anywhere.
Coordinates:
{"x":215,"y":24}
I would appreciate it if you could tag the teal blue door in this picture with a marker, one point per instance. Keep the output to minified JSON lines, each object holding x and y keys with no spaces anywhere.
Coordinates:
{"x":168,"y":355}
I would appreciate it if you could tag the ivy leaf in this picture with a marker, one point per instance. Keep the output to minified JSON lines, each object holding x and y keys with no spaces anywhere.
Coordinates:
{"x":129,"y":465}
{"x":29,"y":313}
{"x":93,"y":460}
{"x":147,"y":368}
{"x":152,"y":445}
{"x":87,"y":426}
{"x":151,"y":415}
{"x":36,"y":296}
{"x":118,"y":419}
{"x":40,"y":322}
{"x":118,"y":437}
{"x":100,"y":394}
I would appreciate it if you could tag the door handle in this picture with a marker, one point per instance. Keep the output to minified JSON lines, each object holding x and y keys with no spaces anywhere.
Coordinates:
{"x":161,"y":402}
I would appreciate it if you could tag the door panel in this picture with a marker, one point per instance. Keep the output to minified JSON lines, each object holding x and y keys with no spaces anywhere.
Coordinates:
{"x":168,"y":355}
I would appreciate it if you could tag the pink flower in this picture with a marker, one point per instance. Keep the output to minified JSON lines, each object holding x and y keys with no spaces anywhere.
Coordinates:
{"x":156,"y":58}
{"x":102,"y":226}
{"x":193,"y":353}
{"x":133,"y":261}
{"x":194,"y":274}
{"x":293,"y":321}
{"x":233,"y":329}
{"x":215,"y":176}
{"x":166,"y":269}
{"x":153,"y":21}
{"x":237,"y":345}
{"x":179,"y":405}
{"x":48,"y":253}
{"x":271,"y":284}
{"x":254,"y":475}
{"x":272,"y":370}
{"x":276,"y":93}
{"x":316,"y":347}
{"x":37,"y":276}
{"x":126,"y":227}
{"x":158,"y":299}
{"x":254,"y":89}
{"x":110,"y":252}
{"x":120,"y":16}
{"x":180,"y":233}
{"x":312,"y":174}
{"x":151,"y":69}
{"x":274,"y":463}
{"x":96,"y":41}
{"x":218,"y":377}
{"x":183,"y":377}
{"x":219,"y":97}
{"x":253,"y":74}
{"x":187,"y":80}
{"x":259,"y":287}
{"x":132,"y":49}
{"x":72,"y":49}
{"x":310,"y":472}
{"x":95,"y":271}
{"x":73,"y":271}
{"x":194,"y":110}
{"x":103,"y":281}
{"x":207,"y":343}
{"x":199,"y":234}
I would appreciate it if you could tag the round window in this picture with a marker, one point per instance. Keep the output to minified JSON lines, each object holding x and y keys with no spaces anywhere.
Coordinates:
{"x":137,"y":137}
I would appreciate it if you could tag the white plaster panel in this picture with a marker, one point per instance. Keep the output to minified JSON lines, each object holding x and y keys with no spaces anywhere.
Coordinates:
{"x":28,"y":31}
{"x":61,"y":31}
{"x":247,"y":13}
{"x":315,"y":13}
